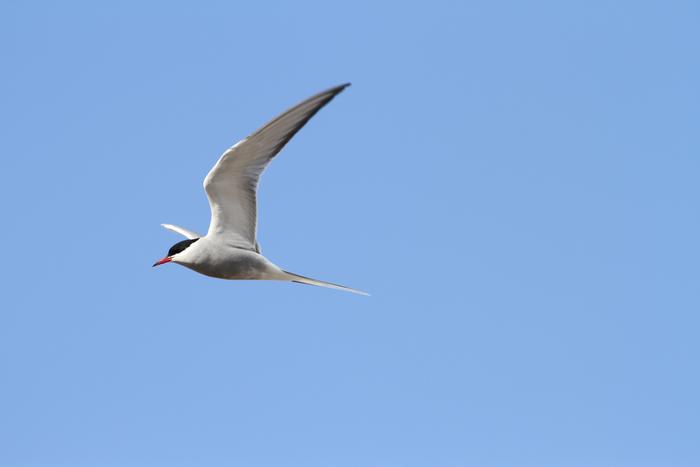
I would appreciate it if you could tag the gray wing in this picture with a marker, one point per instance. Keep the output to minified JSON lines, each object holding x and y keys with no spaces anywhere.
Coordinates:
{"x":232,"y":183}
{"x":182,"y":231}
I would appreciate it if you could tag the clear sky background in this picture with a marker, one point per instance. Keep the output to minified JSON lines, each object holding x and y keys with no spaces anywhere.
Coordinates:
{"x":516,"y":183}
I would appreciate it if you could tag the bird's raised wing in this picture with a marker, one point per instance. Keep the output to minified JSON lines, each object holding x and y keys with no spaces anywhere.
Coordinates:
{"x":182,"y":231}
{"x":232,"y":183}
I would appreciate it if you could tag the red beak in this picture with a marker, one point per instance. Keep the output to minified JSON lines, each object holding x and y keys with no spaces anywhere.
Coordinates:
{"x":167,"y":259}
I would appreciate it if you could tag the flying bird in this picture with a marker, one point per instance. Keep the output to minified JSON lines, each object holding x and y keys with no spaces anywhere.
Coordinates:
{"x":230,"y":250}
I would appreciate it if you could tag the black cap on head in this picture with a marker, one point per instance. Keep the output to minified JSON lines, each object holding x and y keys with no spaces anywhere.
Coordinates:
{"x":179,"y":247}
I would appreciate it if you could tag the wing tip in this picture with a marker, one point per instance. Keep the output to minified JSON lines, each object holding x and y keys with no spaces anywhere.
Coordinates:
{"x":339,"y":88}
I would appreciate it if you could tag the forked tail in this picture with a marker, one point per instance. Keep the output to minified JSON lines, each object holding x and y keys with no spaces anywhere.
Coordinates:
{"x":307,"y":280}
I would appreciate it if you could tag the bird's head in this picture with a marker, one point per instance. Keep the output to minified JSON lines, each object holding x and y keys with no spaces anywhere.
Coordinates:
{"x":175,"y":250}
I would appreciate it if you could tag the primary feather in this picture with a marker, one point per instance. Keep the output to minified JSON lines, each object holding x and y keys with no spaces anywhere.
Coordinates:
{"x":232,"y":183}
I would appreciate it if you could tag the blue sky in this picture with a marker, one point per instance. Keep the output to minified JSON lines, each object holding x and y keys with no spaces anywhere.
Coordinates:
{"x":516,"y":183}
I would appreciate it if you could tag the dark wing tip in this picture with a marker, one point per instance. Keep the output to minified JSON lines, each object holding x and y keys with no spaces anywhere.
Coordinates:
{"x":317,"y":101}
{"x":336,"y":89}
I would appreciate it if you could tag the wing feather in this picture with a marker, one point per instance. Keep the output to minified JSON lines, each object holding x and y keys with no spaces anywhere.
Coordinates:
{"x":182,"y":231}
{"x":232,"y":183}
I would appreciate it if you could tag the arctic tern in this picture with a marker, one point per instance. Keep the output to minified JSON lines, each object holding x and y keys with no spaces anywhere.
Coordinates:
{"x":230,"y":250}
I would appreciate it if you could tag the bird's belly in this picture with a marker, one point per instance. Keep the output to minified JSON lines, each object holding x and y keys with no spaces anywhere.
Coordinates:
{"x":238,"y":265}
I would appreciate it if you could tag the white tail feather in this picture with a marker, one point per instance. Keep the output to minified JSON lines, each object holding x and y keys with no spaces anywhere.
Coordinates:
{"x":307,"y":280}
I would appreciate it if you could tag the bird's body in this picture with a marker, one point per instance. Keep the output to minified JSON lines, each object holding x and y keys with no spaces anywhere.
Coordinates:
{"x":230,"y":249}
{"x":213,"y":257}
